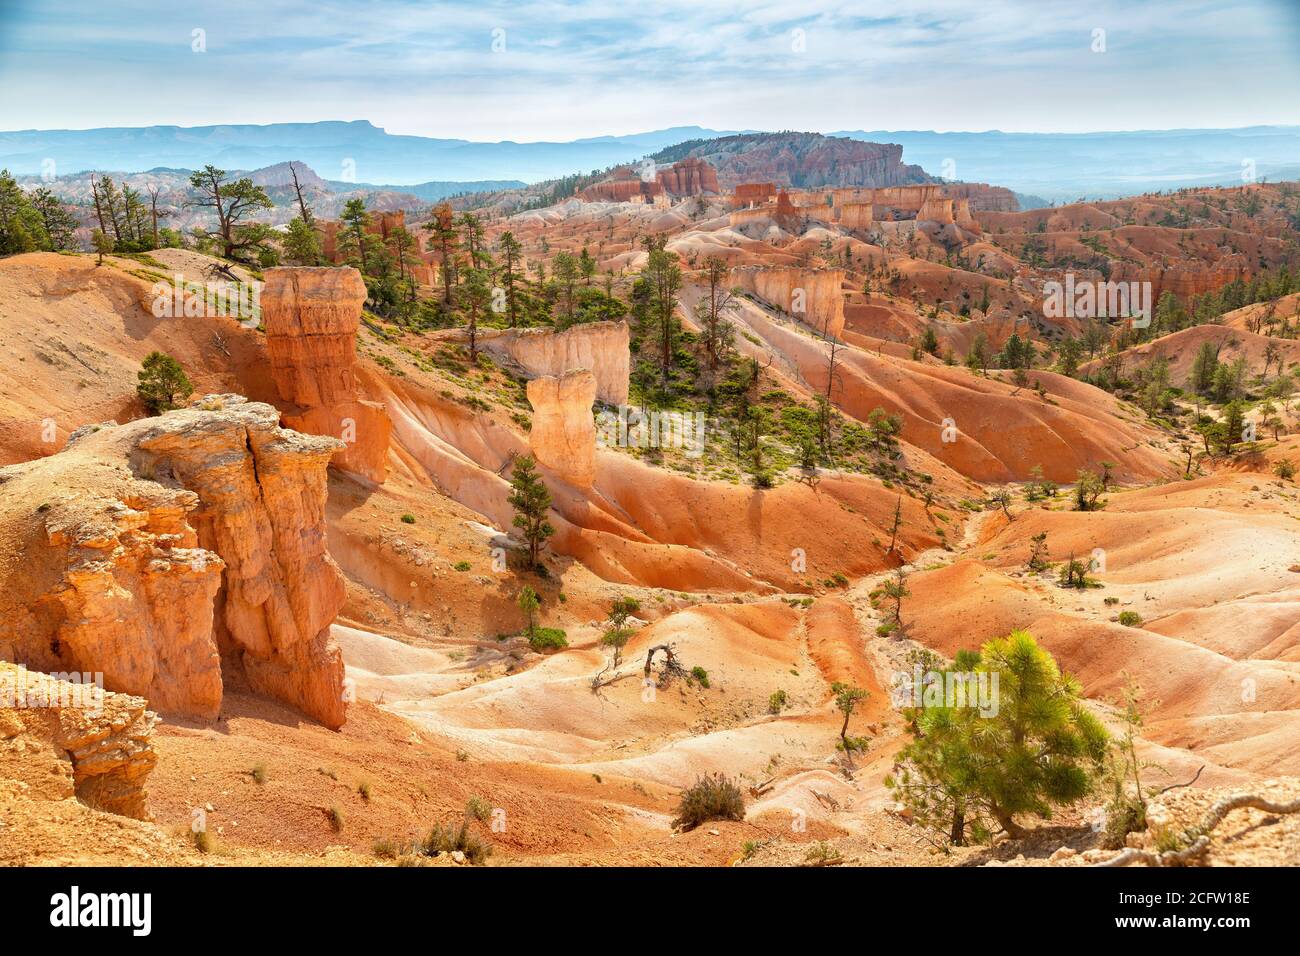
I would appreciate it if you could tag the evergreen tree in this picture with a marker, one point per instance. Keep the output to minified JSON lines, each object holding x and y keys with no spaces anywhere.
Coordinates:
{"x":967,"y":770}
{"x":445,"y":241}
{"x":232,"y":203}
{"x":529,"y":602}
{"x":353,"y":237}
{"x":163,"y":383}
{"x":511,"y":251}
{"x":21,"y":229}
{"x":302,"y":244}
{"x":564,"y":269}
{"x":1204,"y":368}
{"x":531,"y":501}
{"x":57,"y":222}
{"x":586,"y":266}
{"x":103,"y":244}
{"x":717,"y":334}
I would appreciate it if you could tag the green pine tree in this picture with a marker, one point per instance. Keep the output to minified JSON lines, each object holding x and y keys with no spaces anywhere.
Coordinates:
{"x":531,"y":501}
{"x":163,"y":383}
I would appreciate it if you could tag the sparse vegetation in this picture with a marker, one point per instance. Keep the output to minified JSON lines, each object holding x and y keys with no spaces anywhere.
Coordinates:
{"x":711,"y":797}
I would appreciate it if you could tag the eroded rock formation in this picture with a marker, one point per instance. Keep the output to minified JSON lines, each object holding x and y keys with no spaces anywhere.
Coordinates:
{"x":563,"y":436}
{"x":601,"y":347}
{"x":311,"y":317}
{"x":151,"y":552}
{"x":814,"y":296}
{"x":690,"y":177}
{"x":60,"y":738}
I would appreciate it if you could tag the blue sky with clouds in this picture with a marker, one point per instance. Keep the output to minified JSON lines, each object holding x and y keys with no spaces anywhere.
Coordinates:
{"x":566,"y":70}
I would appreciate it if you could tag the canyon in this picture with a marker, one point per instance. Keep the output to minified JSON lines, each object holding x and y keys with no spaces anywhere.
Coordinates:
{"x":310,"y":566}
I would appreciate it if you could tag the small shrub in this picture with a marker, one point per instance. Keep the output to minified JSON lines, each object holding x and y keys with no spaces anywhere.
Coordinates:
{"x":259,"y":773}
{"x":477,"y":808}
{"x":1284,"y":468}
{"x":387,"y":849}
{"x":448,"y":839}
{"x":701,"y":675}
{"x":712,"y":797}
{"x":821,"y":852}
{"x":203,"y":841}
{"x":408,"y":518}
{"x":363,"y":788}
{"x":1130,"y":618}
{"x":548,"y":638}
{"x":461,"y":565}
{"x":776,"y":703}
{"x":336,"y":819}
{"x":1111,"y":601}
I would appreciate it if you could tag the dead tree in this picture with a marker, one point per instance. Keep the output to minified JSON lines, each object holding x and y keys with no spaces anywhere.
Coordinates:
{"x":1201,"y":844}
{"x":672,"y":666}
{"x":297,"y":188}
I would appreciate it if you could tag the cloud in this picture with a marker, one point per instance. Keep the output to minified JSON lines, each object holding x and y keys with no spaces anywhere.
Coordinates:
{"x":602,"y":66}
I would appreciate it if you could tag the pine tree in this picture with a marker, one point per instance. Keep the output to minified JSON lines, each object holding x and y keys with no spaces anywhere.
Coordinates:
{"x":445,"y":241}
{"x":847,"y":697}
{"x":564,"y":269}
{"x":531,"y":501}
{"x":510,"y":259}
{"x":302,"y":244}
{"x":103,"y":244}
{"x":354,"y":236}
{"x":967,"y":770}
{"x":163,"y":383}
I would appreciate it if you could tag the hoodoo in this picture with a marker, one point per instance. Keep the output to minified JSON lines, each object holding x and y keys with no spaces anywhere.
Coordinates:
{"x":311,"y":317}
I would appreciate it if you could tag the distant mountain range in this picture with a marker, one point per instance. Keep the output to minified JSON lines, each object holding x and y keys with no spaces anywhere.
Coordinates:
{"x":350,"y":152}
{"x":1063,"y":167}
{"x":351,"y":155}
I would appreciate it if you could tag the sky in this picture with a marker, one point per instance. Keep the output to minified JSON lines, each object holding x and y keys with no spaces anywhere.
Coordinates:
{"x":548,"y":70}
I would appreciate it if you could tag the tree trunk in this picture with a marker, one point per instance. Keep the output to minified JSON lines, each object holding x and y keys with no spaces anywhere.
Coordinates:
{"x":958,"y":832}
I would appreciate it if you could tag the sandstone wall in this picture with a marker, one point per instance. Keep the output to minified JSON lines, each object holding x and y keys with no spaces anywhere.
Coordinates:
{"x":858,"y":215}
{"x":61,"y":739}
{"x":1184,"y":280}
{"x":936,"y":210}
{"x":311,"y":317}
{"x":563,"y":436}
{"x":823,"y":297}
{"x":601,"y":347}
{"x":152,"y":551}
{"x":753,"y":193}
